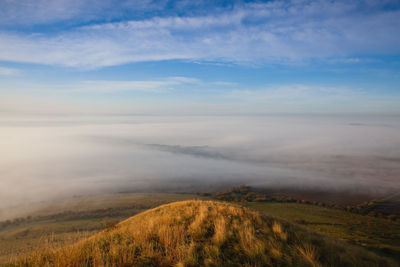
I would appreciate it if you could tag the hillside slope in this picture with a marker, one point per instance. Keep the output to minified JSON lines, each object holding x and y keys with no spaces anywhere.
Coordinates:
{"x":198,"y":233}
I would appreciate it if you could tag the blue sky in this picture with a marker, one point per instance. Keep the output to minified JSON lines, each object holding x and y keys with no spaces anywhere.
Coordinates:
{"x":199,"y":57}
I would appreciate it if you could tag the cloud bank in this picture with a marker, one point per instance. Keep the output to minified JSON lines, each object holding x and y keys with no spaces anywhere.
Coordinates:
{"x":48,"y":157}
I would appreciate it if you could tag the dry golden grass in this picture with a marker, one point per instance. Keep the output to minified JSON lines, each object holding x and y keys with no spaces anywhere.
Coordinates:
{"x":203,"y":233}
{"x":309,"y":252}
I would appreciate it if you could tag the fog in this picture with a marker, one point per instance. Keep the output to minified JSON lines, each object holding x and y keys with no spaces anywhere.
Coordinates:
{"x":43,"y":157}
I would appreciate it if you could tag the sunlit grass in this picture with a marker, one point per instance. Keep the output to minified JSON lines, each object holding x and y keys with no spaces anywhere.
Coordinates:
{"x":69,"y":220}
{"x":192,"y":233}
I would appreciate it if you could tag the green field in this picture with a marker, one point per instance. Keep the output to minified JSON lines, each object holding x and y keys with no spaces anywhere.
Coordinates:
{"x":377,"y":234}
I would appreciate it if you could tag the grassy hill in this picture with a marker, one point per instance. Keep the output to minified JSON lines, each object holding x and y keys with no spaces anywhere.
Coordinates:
{"x":193,"y":233}
{"x":65,"y":221}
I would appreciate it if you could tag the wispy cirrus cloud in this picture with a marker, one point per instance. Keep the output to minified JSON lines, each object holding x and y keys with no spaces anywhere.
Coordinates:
{"x":27,"y":13}
{"x":107,"y":86}
{"x":294,"y":98}
{"x":254,"y":33}
{"x":170,"y":96}
{"x":295,"y":92}
{"x":5,"y":71}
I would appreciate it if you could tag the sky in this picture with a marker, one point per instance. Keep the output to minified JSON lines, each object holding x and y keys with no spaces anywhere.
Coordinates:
{"x":199,"y":57}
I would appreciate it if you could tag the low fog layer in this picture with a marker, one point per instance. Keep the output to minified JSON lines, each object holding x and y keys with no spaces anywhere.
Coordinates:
{"x":47,"y":157}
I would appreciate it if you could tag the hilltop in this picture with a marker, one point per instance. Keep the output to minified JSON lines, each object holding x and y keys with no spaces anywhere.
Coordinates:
{"x":193,"y":233}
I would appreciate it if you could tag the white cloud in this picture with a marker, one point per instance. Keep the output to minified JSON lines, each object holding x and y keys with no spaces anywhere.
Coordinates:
{"x":5,"y":71}
{"x":295,"y":92}
{"x":37,"y":12}
{"x":169,"y":96}
{"x":301,"y":98}
{"x":115,"y":86}
{"x":103,"y":86}
{"x":254,"y":33}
